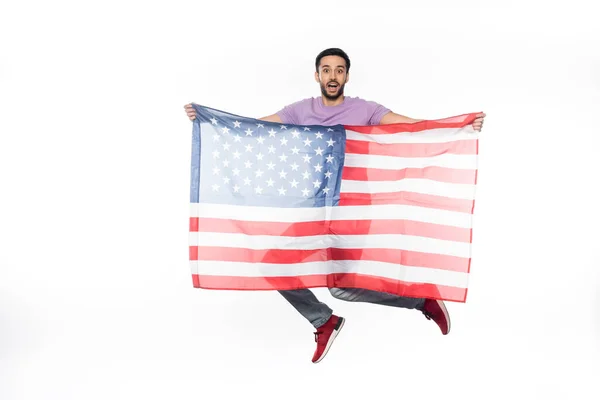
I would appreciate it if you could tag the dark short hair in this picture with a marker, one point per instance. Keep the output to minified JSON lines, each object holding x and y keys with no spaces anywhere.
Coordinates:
{"x":334,"y":51}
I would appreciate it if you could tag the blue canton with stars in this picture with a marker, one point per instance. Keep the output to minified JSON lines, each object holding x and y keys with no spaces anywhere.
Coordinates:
{"x":246,"y":161}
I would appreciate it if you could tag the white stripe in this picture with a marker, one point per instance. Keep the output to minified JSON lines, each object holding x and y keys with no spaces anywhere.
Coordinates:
{"x":194,"y":267}
{"x":441,"y":135}
{"x":425,"y":186}
{"x":456,"y":161}
{"x":372,"y":268}
{"x":371,"y":241}
{"x":369,"y":212}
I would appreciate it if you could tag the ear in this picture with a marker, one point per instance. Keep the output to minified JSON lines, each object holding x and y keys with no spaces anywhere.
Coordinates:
{"x":317,"y":76}
{"x":347,"y":77}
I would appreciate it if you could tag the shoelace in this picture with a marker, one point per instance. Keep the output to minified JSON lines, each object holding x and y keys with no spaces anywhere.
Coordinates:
{"x":317,"y":333}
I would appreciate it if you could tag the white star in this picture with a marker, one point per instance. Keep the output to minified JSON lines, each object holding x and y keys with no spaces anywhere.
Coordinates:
{"x":236,"y":154}
{"x":249,"y":132}
{"x":318,"y":168}
{"x":295,"y":134}
{"x":281,"y":191}
{"x":216,"y":171}
{"x":247,"y":181}
{"x":213,"y":120}
{"x":216,"y":137}
{"x":283,"y":141}
{"x":237,"y":124}
{"x":328,"y":174}
{"x":225,"y":130}
{"x":294,"y":167}
{"x":271,"y":165}
{"x":283,"y":158}
{"x":319,"y":151}
{"x":237,"y":138}
{"x":259,"y":156}
{"x":258,"y":189}
{"x":260,"y":125}
{"x":330,"y":142}
{"x":305,"y":192}
{"x":282,"y":174}
{"x":329,"y":130}
{"x":283,"y":127}
{"x":305,"y":175}
{"x":295,"y":150}
{"x":326,"y":190}
{"x":216,"y":154}
{"x":306,"y":158}
{"x":260,"y":139}
{"x":270,"y":182}
{"x":307,"y":142}
{"x":226,"y":163}
{"x":236,"y":172}
{"x":294,"y":183}
{"x":215,"y":187}
{"x":329,"y":158}
{"x":236,"y":188}
{"x":258,"y":173}
{"x":226,"y":146}
{"x":317,"y":183}
{"x":248,"y":147}
{"x":248,"y":164}
{"x":271,"y":149}
{"x":306,"y":128}
{"x":319,"y":135}
{"x":272,"y":132}
{"x":226,"y":180}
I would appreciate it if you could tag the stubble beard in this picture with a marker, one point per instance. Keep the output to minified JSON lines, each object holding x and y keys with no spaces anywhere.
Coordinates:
{"x":336,"y":96}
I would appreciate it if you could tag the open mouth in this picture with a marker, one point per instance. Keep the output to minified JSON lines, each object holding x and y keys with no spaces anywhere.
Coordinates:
{"x":332,"y":87}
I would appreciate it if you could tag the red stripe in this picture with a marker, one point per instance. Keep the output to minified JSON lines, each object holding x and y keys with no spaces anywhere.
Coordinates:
{"x":193,"y":224}
{"x":342,"y":227}
{"x":407,"y":198}
{"x":453,"y":122}
{"x":441,"y":174}
{"x":288,"y":256}
{"x":399,"y":288}
{"x":463,"y":147}
{"x":196,"y":280}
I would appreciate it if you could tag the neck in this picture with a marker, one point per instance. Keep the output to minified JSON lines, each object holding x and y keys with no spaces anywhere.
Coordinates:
{"x":336,"y":102}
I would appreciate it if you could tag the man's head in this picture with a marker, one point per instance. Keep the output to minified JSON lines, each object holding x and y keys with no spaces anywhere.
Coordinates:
{"x":332,"y":68}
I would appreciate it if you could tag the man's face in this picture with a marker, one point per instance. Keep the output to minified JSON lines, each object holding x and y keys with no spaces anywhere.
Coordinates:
{"x":332,"y":76}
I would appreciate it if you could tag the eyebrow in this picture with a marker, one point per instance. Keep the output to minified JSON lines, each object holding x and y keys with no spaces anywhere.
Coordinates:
{"x":339,"y":66}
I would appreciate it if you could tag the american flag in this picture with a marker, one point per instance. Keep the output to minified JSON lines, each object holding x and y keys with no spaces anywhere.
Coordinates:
{"x":386,"y":208}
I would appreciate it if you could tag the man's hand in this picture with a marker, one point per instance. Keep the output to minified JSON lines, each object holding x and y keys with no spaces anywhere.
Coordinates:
{"x":478,"y":123}
{"x":191,"y":113}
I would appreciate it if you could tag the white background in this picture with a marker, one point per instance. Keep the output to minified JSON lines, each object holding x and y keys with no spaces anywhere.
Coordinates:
{"x":96,"y":297}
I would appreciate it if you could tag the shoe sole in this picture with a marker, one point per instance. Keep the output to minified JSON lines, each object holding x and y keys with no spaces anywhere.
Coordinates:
{"x":446,"y":315}
{"x":336,"y":332}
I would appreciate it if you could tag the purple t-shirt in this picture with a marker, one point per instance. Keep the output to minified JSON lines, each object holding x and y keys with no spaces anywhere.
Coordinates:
{"x":352,"y":111}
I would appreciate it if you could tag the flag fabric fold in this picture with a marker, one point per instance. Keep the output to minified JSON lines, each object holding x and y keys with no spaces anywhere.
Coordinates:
{"x":279,"y":207}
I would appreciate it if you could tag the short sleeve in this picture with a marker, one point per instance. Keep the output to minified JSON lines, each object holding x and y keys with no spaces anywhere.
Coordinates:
{"x":377,"y":112}
{"x":288,"y":113}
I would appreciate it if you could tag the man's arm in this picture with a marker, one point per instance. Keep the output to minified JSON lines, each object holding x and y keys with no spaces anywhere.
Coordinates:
{"x":393,"y":118}
{"x":272,"y":118}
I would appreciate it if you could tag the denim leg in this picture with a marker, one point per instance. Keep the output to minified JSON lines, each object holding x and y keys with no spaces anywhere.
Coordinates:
{"x":307,"y":304}
{"x":372,"y":296}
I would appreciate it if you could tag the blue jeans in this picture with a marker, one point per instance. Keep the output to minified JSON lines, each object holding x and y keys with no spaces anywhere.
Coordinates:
{"x":317,"y":313}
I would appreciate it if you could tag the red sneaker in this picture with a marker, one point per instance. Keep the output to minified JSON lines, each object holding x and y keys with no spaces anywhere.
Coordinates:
{"x":436,"y":310}
{"x":325,"y":335}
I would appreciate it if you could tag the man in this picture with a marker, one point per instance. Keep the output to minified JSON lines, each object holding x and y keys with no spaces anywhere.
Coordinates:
{"x":331,"y":108}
